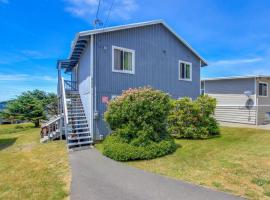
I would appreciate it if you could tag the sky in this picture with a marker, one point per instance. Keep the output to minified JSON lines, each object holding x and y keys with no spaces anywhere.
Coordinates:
{"x":232,"y":35}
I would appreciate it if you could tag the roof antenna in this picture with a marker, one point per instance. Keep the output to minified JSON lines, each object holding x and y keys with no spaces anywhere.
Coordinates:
{"x":97,"y":23}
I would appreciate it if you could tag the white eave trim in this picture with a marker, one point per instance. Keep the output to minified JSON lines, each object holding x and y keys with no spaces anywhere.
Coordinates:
{"x":235,"y":77}
{"x":135,"y":25}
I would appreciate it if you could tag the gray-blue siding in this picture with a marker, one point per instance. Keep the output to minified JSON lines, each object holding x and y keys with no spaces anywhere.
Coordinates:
{"x":230,"y":86}
{"x":157,"y":53}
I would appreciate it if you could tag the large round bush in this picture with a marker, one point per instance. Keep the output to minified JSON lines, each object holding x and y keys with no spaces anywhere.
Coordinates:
{"x":193,"y":119}
{"x":138,"y":120}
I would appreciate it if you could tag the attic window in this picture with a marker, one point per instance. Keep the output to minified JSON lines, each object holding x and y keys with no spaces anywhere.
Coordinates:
{"x":185,"y":70}
{"x":123,"y":60}
{"x":263,"y":89}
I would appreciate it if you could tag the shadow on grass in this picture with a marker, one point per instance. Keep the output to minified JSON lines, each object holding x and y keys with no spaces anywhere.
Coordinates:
{"x":5,"y":143}
{"x":198,"y":139}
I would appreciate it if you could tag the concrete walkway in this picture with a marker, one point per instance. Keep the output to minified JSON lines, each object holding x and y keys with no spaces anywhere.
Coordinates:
{"x":95,"y":177}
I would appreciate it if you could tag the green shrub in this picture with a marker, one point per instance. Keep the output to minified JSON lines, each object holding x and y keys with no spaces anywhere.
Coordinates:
{"x":138,"y":120}
{"x":121,"y":151}
{"x":193,"y":119}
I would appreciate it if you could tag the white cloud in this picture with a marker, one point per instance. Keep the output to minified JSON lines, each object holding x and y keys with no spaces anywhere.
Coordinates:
{"x":86,"y":9}
{"x":26,"y":77}
{"x":82,"y":8}
{"x":13,"y":77}
{"x":4,"y":1}
{"x":235,"y":61}
{"x":32,"y":53}
{"x":20,"y":56}
{"x":124,"y":9}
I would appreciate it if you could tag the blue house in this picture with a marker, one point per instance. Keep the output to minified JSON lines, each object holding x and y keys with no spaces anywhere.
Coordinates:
{"x":104,"y":62}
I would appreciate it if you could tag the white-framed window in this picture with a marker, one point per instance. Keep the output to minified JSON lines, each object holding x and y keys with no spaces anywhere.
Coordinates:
{"x":263,"y":89}
{"x":185,"y":70}
{"x":123,"y":60}
{"x":202,"y":87}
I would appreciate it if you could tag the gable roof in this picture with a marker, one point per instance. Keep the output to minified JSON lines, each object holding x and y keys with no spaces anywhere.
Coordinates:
{"x":236,"y":77}
{"x":79,"y":43}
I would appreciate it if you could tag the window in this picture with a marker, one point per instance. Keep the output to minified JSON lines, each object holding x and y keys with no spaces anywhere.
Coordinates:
{"x":263,"y":89}
{"x":267,"y":116}
{"x":202,"y":87}
{"x":123,"y":60}
{"x":185,"y":70}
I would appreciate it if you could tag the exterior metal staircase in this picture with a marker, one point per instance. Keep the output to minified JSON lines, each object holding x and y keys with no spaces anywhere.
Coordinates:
{"x":78,"y":132}
{"x":71,"y":122}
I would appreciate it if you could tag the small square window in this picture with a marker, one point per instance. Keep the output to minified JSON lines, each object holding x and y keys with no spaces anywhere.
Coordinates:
{"x":263,"y":89}
{"x":267,"y":116}
{"x":185,"y":70}
{"x":123,"y":60}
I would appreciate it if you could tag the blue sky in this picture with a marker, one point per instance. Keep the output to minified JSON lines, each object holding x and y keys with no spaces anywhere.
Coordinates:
{"x":232,"y":35}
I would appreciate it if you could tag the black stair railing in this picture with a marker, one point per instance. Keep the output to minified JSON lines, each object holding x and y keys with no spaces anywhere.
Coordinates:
{"x":71,"y":85}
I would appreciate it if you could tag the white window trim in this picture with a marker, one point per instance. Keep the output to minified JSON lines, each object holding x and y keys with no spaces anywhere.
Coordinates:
{"x":179,"y":76}
{"x":133,"y":60}
{"x":266,"y":89}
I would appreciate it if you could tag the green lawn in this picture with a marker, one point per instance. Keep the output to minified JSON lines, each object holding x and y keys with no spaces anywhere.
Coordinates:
{"x":30,"y":170}
{"x":237,"y":162}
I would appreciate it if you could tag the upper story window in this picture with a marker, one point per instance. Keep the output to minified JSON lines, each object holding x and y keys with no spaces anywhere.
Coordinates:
{"x":185,"y":70}
{"x":263,"y":89}
{"x":123,"y":60}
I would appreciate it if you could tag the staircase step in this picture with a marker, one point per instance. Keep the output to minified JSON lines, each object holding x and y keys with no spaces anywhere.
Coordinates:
{"x":73,"y":98}
{"x":83,"y":124}
{"x":75,"y":107}
{"x":75,"y":112}
{"x":80,"y":138}
{"x":79,"y":125}
{"x":79,"y":120}
{"x":76,"y":115}
{"x":81,"y":128}
{"x":79,"y":143}
{"x":79,"y":133}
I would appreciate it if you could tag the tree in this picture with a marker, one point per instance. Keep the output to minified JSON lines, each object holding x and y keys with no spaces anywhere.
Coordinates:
{"x":32,"y":106}
{"x":51,"y":104}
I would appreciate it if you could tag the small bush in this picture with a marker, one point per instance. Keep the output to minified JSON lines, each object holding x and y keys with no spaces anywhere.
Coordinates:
{"x":193,"y":119}
{"x":138,"y":119}
{"x":121,"y":151}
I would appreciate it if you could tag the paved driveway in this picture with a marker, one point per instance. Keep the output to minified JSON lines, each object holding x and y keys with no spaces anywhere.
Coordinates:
{"x":95,"y":177}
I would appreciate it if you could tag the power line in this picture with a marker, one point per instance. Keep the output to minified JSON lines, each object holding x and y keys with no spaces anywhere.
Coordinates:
{"x":109,"y":13}
{"x":98,"y":9}
{"x":97,"y":21}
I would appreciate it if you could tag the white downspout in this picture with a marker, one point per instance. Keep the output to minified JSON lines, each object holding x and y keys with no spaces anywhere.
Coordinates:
{"x":256,"y":99}
{"x":91,"y":86}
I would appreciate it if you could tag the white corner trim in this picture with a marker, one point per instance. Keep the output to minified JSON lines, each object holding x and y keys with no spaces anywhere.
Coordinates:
{"x":133,"y":60}
{"x":267,"y":89}
{"x":91,"y":93}
{"x":185,"y":62}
